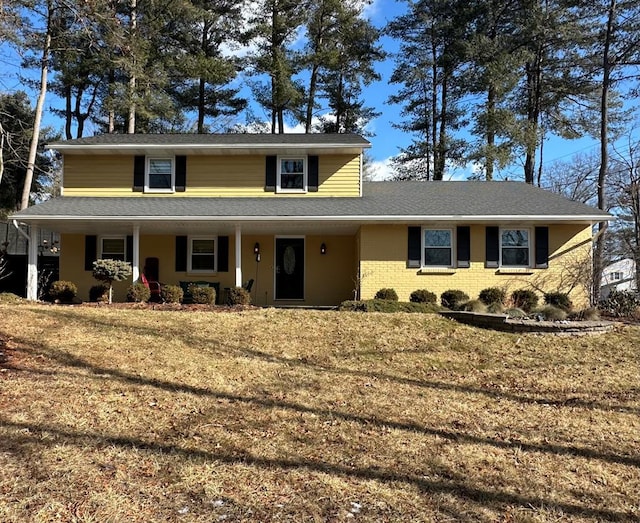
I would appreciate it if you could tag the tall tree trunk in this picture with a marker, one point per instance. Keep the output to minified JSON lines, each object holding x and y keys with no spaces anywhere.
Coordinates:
{"x":438,"y":171}
{"x":131,"y":127}
{"x":313,"y":86}
{"x":201,"y":105}
{"x":598,"y":256}
{"x":534,"y":95}
{"x":434,"y":108}
{"x":490,"y":133}
{"x":33,"y":148}
{"x":68,"y":112}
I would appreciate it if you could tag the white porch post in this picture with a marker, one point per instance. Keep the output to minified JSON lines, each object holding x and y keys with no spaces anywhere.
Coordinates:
{"x":32,"y":267}
{"x":238,"y":256}
{"x":135,"y":275}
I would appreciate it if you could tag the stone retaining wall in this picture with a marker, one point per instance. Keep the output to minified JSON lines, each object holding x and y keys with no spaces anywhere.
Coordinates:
{"x":502,"y":323}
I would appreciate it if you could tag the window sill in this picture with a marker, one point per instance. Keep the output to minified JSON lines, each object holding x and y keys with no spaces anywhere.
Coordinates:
{"x":291,"y":191}
{"x":159,"y":191}
{"x":437,"y":270}
{"x":515,"y":270}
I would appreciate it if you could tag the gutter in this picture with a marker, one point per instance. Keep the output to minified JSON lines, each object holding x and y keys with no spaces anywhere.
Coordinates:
{"x":17,"y":226}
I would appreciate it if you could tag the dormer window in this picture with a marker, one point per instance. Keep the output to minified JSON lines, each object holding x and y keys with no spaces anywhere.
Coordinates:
{"x":292,"y":174}
{"x":159,"y":175}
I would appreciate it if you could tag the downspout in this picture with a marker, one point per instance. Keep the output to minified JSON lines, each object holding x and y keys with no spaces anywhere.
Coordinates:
{"x":32,"y":263}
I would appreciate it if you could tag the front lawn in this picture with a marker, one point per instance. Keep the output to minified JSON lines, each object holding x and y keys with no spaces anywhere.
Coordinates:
{"x":267,"y":415}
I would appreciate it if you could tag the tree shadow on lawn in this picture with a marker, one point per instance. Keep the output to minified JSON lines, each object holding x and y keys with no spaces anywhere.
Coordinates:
{"x":219,"y":348}
{"x":495,"y":500}
{"x":72,"y":361}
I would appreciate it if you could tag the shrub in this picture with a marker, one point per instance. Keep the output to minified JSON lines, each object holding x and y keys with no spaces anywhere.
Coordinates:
{"x":495,"y":308}
{"x":423,"y":296}
{"x":589,"y":314}
{"x":515,"y":313}
{"x":202,"y":295}
{"x":559,"y":299}
{"x":238,"y":296}
{"x":387,"y":306}
{"x":9,"y":298}
{"x":620,"y":303}
{"x":553,"y":313}
{"x":138,"y":292}
{"x":524,"y":299}
{"x":63,"y":291}
{"x":453,"y":299}
{"x":492,"y":295}
{"x":99,"y":293}
{"x":386,"y":294}
{"x":108,"y":271}
{"x":475,"y":306}
{"x":171,"y":293}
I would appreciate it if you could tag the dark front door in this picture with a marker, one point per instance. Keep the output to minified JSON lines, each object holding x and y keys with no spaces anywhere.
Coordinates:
{"x":289,"y":268}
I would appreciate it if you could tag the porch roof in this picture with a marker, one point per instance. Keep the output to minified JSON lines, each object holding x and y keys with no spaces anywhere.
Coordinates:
{"x":382,"y":202}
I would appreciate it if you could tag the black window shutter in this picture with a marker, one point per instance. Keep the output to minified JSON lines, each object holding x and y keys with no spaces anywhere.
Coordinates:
{"x":223,"y":254}
{"x":181,"y":253}
{"x":90,"y":251}
{"x":138,"y":173}
{"x":542,"y":247}
{"x":313,"y":179}
{"x":492,"y":247}
{"x":270,"y":174}
{"x":463,"y":246}
{"x":129,"y":249}
{"x":414,"y":245}
{"x":181,"y":173}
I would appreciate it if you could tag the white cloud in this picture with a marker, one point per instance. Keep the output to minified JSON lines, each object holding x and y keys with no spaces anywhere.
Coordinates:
{"x":380,"y":170}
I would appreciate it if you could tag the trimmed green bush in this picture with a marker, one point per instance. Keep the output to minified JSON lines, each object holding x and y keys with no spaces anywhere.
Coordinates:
{"x":495,"y":308}
{"x":559,"y":299}
{"x":524,"y":299}
{"x":387,"y":294}
{"x":99,"y":293}
{"x":387,"y":306}
{"x":202,"y":295}
{"x":515,"y":313}
{"x":475,"y":306}
{"x":453,"y":299}
{"x":63,"y":291}
{"x":492,"y":295}
{"x":238,"y":296}
{"x":552,"y":313}
{"x":138,"y":293}
{"x":423,"y":296}
{"x":620,"y":304}
{"x":171,"y":294}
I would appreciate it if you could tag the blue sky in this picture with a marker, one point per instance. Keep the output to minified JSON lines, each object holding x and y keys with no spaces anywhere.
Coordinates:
{"x":386,"y":141}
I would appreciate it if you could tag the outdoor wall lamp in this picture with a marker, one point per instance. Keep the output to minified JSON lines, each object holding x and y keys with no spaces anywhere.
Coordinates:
{"x":323,"y":248}
{"x":256,"y":248}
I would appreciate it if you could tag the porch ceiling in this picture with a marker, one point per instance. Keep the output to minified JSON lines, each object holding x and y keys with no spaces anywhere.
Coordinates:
{"x":183,"y":227}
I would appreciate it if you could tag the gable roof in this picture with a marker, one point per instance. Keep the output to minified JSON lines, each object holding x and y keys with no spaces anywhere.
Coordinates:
{"x":400,"y":202}
{"x":212,"y":143}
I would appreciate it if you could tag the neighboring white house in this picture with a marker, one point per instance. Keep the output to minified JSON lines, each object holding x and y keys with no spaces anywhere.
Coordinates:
{"x":619,"y":276}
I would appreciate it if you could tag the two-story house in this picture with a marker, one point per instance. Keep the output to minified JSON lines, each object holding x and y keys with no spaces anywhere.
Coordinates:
{"x":293,"y":213}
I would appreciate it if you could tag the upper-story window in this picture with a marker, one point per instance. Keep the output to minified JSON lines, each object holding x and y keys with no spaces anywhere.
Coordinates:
{"x":160,"y":175}
{"x":437,"y":248}
{"x":514,"y":248}
{"x":616,"y":276}
{"x":292,"y":174}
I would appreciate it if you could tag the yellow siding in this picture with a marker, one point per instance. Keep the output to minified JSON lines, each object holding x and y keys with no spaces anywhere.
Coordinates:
{"x":207,"y":176}
{"x":329,"y":278}
{"x":383,"y":264}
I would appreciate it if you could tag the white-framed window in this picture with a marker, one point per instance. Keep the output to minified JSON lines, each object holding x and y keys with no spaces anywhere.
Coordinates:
{"x":292,"y":174}
{"x":112,"y":248}
{"x":515,"y":247}
{"x":437,"y":247}
{"x":160,"y":175}
{"x":202,"y":254}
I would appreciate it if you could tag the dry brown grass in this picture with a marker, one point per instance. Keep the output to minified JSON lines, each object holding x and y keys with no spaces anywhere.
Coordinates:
{"x":111,"y":415}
